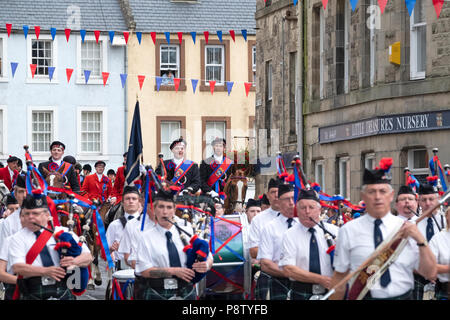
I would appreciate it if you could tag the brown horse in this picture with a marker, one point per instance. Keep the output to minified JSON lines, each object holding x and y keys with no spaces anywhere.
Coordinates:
{"x":57,"y":180}
{"x":235,"y":191}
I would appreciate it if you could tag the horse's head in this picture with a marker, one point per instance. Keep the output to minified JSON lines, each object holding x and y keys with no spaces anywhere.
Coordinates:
{"x":55,"y":178}
{"x":235,"y":190}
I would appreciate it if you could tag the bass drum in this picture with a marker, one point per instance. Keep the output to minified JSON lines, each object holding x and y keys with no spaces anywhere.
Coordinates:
{"x":230,"y":275}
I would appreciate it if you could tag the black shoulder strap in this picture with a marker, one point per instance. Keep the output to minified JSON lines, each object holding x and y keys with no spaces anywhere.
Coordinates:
{"x":123,"y":220}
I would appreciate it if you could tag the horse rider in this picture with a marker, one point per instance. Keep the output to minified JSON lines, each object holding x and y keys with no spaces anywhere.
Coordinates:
{"x":9,"y":173}
{"x":359,"y":238}
{"x":215,"y":170}
{"x":40,"y":268}
{"x":304,"y":256}
{"x":97,"y":186}
{"x":182,"y":174}
{"x":440,"y":246}
{"x":428,"y":198}
{"x":56,"y":162}
{"x":406,"y":203}
{"x":161,"y":265}
{"x":270,"y":246}
{"x":116,"y":229}
{"x":86,"y":170}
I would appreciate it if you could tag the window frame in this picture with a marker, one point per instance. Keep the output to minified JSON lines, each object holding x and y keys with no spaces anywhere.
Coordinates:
{"x":367,"y":157}
{"x":227,"y":121}
{"x":414,"y":74}
{"x":347,"y":18}
{"x":345,"y":159}
{"x":252,"y":63}
{"x":44,"y":78}
{"x":418,"y":171}
{"x":269,"y":80}
{"x":103,"y":132}
{"x":322,"y":54}
{"x":4,"y":77}
{"x":182,"y":64}
{"x":4,"y":124}
{"x":41,"y":155}
{"x":204,"y":86}
{"x":160,"y":119}
{"x":321,"y":163}
{"x":103,"y":41}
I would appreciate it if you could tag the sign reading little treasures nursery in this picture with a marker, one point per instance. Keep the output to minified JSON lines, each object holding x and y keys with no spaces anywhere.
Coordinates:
{"x":401,"y":123}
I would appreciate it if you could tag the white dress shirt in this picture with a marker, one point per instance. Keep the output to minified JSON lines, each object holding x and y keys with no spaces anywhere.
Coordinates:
{"x":272,"y":237}
{"x":4,"y":254}
{"x":422,"y":225}
{"x":356,"y":244}
{"x":177,"y":162}
{"x":258,"y":223}
{"x":10,"y":226}
{"x":22,"y":241}
{"x":440,"y":246}
{"x":132,"y":235}
{"x":412,"y":219}
{"x":115,"y":232}
{"x":152,"y":249}
{"x":217,"y":158}
{"x":296,"y":243}
{"x":58,"y":162}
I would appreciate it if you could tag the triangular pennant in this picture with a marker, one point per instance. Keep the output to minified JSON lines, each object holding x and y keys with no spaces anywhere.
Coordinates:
{"x":158,"y":83}
{"x":97,"y":35}
{"x":212,"y":84}
{"x":87,"y":74}
{"x":353,"y":4}
{"x":295,"y":2}
{"x":244,"y":34}
{"x":83,"y":35}
{"x":180,"y":37}
{"x":126,"y":34}
{"x":153,"y":35}
{"x":382,"y":4}
{"x":8,"y":28}
{"x":232,"y":34}
{"x":141,"y":81}
{"x":105,"y":76}
{"x":410,"y":5}
{"x":167,"y":37}
{"x":206,"y":33}
{"x":51,"y":70}
{"x":69,"y":74}
{"x":176,"y":82}
{"x":37,"y":31}
{"x":25,"y":31}
{"x":229,"y":86}
{"x":53,"y":33}
{"x":139,"y":36}
{"x":111,"y":36}
{"x":219,"y":35}
{"x":33,"y":69}
{"x":438,"y":6}
{"x":123,"y":79}
{"x":324,"y":4}
{"x":193,"y":35}
{"x":194,"y":84}
{"x":247,"y":85}
{"x":67,"y":32}
{"x":14,"y":67}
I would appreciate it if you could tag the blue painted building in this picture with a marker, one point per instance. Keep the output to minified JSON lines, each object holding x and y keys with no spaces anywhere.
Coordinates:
{"x":90,"y":118}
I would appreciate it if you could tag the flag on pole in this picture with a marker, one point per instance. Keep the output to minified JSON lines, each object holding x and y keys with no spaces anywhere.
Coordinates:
{"x":134,"y":148}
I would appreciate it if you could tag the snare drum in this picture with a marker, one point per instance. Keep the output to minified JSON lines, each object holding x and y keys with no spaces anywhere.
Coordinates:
{"x":231,"y":270}
{"x":123,"y":285}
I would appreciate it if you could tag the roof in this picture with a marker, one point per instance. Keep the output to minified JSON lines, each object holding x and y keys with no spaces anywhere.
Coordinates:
{"x":199,"y":16}
{"x":104,"y":15}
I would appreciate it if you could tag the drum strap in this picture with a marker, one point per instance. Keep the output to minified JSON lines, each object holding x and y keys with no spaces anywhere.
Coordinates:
{"x":116,"y":288}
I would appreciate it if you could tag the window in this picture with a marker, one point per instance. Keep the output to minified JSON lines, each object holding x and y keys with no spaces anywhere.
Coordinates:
{"x":91,"y":131}
{"x":214,"y":127}
{"x":2,"y":131}
{"x":347,"y":18}
{"x":340,"y":47}
{"x":252,"y":63}
{"x":42,"y":56}
{"x":269,"y":80}
{"x":344,"y":177}
{"x":319,"y":173}
{"x":322,"y":53}
{"x":3,"y":63}
{"x":168,"y":130}
{"x":215,"y":64}
{"x":292,"y":89}
{"x":169,"y":63}
{"x":369,"y":161}
{"x":316,"y":56}
{"x":41,"y":130}
{"x":418,"y":163}
{"x":91,"y":56}
{"x":418,"y":39}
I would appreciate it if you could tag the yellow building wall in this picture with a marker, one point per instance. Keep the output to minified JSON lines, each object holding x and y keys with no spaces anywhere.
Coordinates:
{"x":141,"y":61}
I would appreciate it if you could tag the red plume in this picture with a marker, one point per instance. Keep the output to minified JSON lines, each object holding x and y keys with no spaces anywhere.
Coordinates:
{"x":431,"y":179}
{"x":386,"y":163}
{"x":290,"y":178}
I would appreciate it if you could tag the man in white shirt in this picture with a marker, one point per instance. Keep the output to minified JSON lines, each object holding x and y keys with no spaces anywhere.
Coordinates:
{"x":360,"y":237}
{"x":304,"y":257}
{"x":270,"y":247}
{"x":161,"y":271}
{"x":130,"y":202}
{"x":31,"y":253}
{"x":406,"y":204}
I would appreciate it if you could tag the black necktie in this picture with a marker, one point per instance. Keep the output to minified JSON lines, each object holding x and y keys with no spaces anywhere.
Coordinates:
{"x":289,"y":221}
{"x":45,"y":254}
{"x":174,"y":258}
{"x":378,"y":238}
{"x":430,"y":229}
{"x":314,"y":260}
{"x":130,"y":217}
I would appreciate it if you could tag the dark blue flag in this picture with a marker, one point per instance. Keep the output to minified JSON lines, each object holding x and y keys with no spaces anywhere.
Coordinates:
{"x":134,"y":148}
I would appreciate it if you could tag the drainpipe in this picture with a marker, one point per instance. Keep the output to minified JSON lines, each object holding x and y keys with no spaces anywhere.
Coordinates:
{"x":282,"y":134}
{"x":299,"y":75}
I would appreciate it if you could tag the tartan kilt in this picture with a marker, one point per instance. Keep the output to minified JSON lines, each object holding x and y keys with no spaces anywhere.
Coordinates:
{"x":278,"y":290}
{"x":9,"y":290}
{"x":142,"y":291}
{"x":300,"y":295}
{"x":441,"y":292}
{"x":419,"y":283}
{"x":31,"y":290}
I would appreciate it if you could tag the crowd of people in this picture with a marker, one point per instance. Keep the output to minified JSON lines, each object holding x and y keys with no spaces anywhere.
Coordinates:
{"x":299,"y":248}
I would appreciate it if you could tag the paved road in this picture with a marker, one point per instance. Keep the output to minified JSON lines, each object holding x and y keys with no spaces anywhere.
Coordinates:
{"x":99,"y":292}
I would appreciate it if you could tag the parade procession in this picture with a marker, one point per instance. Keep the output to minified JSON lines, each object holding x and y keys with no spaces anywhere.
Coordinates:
{"x":298,"y":150}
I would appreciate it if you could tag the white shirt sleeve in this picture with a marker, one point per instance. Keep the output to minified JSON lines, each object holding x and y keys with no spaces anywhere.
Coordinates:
{"x":144,"y":261}
{"x":288,"y":252}
{"x":265,"y":249}
{"x":17,"y":251}
{"x":254,"y":234}
{"x":342,"y":252}
{"x":125,"y":242}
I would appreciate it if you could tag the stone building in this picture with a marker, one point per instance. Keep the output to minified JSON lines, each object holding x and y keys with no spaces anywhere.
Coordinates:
{"x":375,"y":85}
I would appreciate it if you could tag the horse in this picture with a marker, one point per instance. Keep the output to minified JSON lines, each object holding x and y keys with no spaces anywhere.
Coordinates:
{"x":235,"y":191}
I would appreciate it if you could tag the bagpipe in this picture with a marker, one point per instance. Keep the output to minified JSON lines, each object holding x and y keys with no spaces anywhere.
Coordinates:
{"x":371,"y":270}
